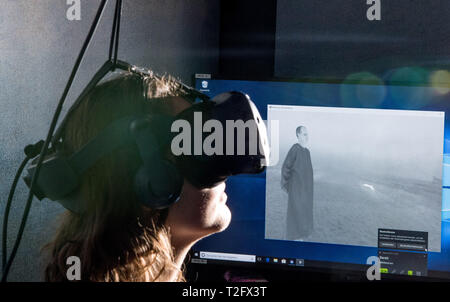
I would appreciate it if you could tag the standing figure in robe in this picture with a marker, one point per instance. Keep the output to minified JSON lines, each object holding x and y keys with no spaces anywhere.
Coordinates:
{"x":297,"y":181}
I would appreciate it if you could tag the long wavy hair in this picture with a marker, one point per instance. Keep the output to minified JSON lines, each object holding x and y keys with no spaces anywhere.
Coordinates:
{"x":115,"y":238}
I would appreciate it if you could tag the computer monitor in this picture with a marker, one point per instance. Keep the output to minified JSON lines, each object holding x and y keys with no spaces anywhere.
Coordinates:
{"x":357,"y":171}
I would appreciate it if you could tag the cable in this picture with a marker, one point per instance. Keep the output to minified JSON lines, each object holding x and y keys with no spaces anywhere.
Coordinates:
{"x":7,"y":209}
{"x":49,"y":137}
{"x":30,"y":152}
{"x":119,"y":13}
{"x":113,"y":32}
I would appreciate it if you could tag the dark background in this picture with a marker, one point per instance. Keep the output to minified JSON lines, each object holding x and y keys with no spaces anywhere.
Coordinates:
{"x":233,"y":39}
{"x":331,"y":38}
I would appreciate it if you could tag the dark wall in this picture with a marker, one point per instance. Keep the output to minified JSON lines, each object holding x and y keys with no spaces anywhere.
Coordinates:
{"x":247,"y":38}
{"x":38,"y":47}
{"x":333,"y":38}
{"x":330,"y":38}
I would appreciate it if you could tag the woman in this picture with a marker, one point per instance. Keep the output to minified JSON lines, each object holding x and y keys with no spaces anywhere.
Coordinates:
{"x":117,"y":238}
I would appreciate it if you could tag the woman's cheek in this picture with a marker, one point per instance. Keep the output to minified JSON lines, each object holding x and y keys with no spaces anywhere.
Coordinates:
{"x":209,"y":211}
{"x":211,"y":214}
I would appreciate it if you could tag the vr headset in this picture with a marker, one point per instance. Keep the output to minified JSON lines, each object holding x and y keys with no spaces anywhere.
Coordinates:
{"x":158,"y":181}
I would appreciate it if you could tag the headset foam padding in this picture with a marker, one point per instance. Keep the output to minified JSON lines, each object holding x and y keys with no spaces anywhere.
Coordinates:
{"x":157,"y":183}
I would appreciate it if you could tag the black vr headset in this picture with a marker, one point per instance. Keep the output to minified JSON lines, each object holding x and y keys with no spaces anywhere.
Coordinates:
{"x":158,"y":181}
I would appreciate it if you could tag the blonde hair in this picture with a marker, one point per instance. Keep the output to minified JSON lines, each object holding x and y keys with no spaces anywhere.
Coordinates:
{"x":116,"y":238}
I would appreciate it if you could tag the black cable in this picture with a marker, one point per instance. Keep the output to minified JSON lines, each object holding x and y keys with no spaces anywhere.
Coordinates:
{"x":31,"y":151}
{"x":7,"y":210}
{"x":49,"y":137}
{"x":113,"y":32}
{"x":118,"y":17}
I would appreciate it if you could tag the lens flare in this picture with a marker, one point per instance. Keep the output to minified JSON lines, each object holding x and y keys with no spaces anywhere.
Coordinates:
{"x":369,"y":91}
{"x":402,"y":96}
{"x":407,"y":76}
{"x":440,"y":81}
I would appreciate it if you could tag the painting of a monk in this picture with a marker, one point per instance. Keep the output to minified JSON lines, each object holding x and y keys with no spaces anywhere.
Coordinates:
{"x":297,"y":181}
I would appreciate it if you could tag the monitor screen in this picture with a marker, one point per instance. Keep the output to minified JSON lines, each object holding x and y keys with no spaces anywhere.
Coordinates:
{"x":357,"y":171}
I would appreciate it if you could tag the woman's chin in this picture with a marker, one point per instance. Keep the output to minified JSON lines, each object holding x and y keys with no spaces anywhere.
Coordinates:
{"x":223,"y":219}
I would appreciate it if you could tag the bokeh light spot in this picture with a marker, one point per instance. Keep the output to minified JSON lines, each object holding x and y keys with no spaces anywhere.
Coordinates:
{"x":362,"y":89}
{"x":440,"y":81}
